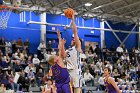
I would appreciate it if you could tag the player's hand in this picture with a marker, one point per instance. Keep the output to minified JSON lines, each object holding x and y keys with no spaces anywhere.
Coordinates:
{"x":63,"y":41}
{"x":73,"y":18}
{"x":58,"y":33}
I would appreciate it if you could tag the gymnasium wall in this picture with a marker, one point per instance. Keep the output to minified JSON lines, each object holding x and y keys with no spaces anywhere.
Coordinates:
{"x":84,"y":34}
{"x":18,"y":27}
{"x":110,"y":39}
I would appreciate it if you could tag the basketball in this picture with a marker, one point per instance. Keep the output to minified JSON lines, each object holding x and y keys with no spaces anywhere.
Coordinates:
{"x":68,"y":12}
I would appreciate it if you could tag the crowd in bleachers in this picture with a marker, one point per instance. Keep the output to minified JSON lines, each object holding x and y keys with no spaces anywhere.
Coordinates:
{"x":20,"y":70}
{"x":124,"y":65}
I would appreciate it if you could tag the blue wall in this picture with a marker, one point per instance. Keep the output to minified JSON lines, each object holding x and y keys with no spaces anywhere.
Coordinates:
{"x":110,"y":39}
{"x":84,"y":34}
{"x":18,"y":29}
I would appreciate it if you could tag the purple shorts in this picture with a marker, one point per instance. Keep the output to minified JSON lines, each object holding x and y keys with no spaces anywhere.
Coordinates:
{"x":64,"y":89}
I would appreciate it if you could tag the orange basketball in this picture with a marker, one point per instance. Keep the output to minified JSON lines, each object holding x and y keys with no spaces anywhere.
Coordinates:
{"x":68,"y":12}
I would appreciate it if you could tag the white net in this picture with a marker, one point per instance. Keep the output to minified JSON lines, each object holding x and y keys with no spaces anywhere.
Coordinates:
{"x":5,"y":13}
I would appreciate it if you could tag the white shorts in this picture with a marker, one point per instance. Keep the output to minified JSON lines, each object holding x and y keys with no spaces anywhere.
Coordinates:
{"x":76,"y":78}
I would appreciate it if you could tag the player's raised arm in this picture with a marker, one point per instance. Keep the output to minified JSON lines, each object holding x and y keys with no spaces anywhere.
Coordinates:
{"x":76,"y":37}
{"x":61,"y":46}
{"x":61,"y":51}
{"x":59,"y":37}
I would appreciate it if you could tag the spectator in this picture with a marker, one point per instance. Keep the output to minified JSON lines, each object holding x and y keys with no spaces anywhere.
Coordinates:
{"x":9,"y":71}
{"x":123,"y":89}
{"x":14,"y":46}
{"x":19,"y":43}
{"x":7,"y":58}
{"x":40,"y":67}
{"x":29,"y":59}
{"x":23,"y":81}
{"x":36,"y":61}
{"x":39,"y":77}
{"x":109,"y":65}
{"x":4,"y":63}
{"x":124,"y":49}
{"x":119,"y":49}
{"x":83,"y":65}
{"x":89,"y":57}
{"x":9,"y":52}
{"x":97,"y":50}
{"x":27,"y":69}
{"x":7,"y":45}
{"x":31,"y":77}
{"x":97,"y":70}
{"x":5,"y":81}
{"x":13,"y":85}
{"x":91,"y":48}
{"x":101,"y":83}
{"x":125,"y":58}
{"x":2,"y":88}
{"x":2,"y":45}
{"x":89,"y":79}
{"x":45,"y":78}
{"x":53,"y":52}
{"x":99,"y":63}
{"x":27,"y":45}
{"x":40,"y":49}
{"x":54,"y":44}
{"x":49,"y":46}
{"x":18,"y":67}
{"x":91,"y":69}
{"x":116,"y":75}
{"x":25,"y":52}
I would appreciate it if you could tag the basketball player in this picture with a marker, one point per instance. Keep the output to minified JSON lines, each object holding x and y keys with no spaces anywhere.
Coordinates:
{"x":110,"y":84}
{"x":73,"y":60}
{"x":58,"y":70}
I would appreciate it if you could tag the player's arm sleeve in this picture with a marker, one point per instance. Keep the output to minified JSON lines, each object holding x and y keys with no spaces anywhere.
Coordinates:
{"x":114,"y":85}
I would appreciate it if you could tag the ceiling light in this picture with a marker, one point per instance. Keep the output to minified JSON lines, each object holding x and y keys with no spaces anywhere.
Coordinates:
{"x":88,"y":4}
{"x":97,"y":7}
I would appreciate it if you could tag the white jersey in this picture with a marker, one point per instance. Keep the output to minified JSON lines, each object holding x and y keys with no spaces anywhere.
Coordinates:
{"x":73,"y":60}
{"x":73,"y":64}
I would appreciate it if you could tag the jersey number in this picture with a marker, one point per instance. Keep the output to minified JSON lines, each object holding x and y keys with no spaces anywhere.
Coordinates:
{"x":68,"y":54}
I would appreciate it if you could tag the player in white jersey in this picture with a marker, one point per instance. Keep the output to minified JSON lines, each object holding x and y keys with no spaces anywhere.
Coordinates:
{"x":73,"y":60}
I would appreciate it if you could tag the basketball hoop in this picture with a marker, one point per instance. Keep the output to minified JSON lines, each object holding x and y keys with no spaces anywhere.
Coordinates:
{"x":5,"y":13}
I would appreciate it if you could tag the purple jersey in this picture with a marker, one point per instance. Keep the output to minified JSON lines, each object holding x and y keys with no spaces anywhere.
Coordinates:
{"x":61,"y":75}
{"x":110,"y":88}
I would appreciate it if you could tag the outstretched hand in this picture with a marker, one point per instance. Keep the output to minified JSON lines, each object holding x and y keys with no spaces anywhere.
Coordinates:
{"x":63,"y":41}
{"x":73,"y":18}
{"x":58,"y":33}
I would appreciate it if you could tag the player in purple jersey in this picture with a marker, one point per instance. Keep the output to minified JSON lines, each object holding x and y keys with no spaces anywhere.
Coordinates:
{"x":110,"y":84}
{"x":58,"y":70}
